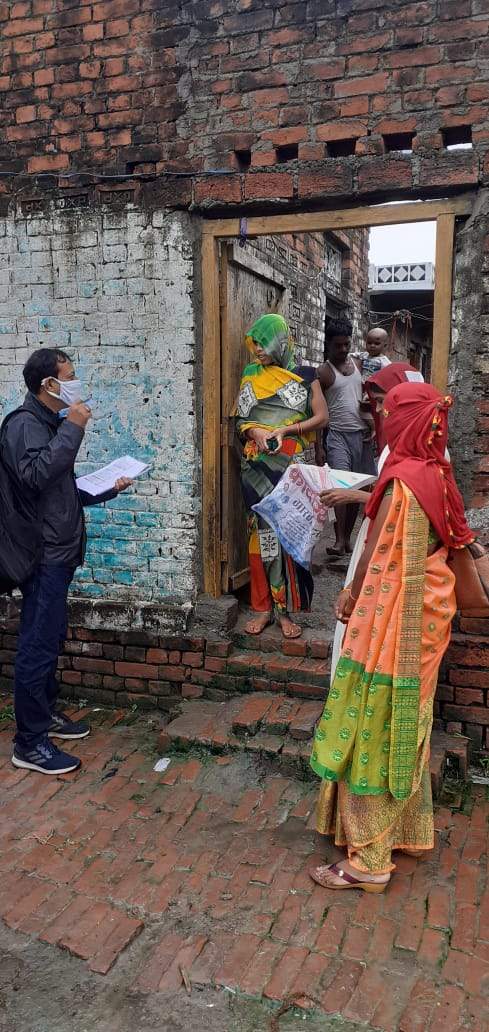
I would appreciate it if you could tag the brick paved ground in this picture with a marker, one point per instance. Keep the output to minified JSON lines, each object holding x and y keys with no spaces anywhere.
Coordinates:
{"x":206,"y":867}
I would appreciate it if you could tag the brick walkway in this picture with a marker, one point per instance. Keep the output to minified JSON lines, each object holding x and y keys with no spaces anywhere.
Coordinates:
{"x":208,"y":865}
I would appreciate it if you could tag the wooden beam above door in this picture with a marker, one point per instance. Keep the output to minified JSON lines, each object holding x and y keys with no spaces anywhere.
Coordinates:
{"x":344,"y":218}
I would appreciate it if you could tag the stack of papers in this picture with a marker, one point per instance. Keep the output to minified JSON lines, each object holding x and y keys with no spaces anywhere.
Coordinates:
{"x":343,"y":478}
{"x":104,"y":479}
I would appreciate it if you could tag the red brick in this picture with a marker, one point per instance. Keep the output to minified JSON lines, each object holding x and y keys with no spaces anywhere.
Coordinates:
{"x":468,"y":714}
{"x":341,"y":989}
{"x":287,"y":919}
{"x":332,"y":930}
{"x":384,"y":173}
{"x":417,"y":56}
{"x":238,"y":960}
{"x":345,"y":130}
{"x":356,"y":942}
{"x":282,"y":137}
{"x":439,"y":908}
{"x":48,"y":163}
{"x":25,"y":114}
{"x":218,"y":648}
{"x":449,"y":1010}
{"x":193,"y":659}
{"x":285,"y":974}
{"x":249,"y":717}
{"x":411,"y":926}
{"x":337,"y":179}
{"x":266,"y":185}
{"x":69,"y":918}
{"x":33,"y":897}
{"x":422,"y":1002}
{"x":140,"y":670}
{"x":366,"y":997}
{"x":369,"y":84}
{"x":433,"y":947}
{"x":382,"y":940}
{"x":22,"y":26}
{"x":465,"y":925}
{"x":471,"y":678}
{"x":469,"y":697}
{"x":159,"y":961}
{"x":455,"y":967}
{"x":172,"y":977}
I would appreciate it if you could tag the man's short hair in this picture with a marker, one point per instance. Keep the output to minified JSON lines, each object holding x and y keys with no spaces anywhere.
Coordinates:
{"x":338,"y":328}
{"x":43,"y":363}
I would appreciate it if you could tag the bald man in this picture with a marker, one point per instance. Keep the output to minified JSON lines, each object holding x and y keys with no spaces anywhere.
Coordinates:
{"x":373,"y":359}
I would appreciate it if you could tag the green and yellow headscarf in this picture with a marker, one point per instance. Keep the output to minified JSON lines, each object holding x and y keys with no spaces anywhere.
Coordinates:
{"x":271,"y":332}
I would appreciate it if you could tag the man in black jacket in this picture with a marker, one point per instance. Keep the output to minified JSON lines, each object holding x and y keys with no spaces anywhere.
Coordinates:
{"x":38,"y":447}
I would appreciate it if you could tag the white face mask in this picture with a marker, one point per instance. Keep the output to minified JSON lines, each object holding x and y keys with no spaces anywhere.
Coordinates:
{"x":70,"y":391}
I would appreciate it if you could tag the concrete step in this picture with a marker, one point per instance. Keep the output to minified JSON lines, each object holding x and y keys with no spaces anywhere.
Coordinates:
{"x":280,"y":729}
{"x":312,"y":643}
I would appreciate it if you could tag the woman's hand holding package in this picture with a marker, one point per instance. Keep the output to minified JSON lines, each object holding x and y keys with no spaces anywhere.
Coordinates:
{"x":343,"y":496}
{"x":260,"y":437}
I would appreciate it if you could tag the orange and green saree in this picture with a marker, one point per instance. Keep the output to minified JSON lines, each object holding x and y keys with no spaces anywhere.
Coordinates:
{"x":371,"y":745}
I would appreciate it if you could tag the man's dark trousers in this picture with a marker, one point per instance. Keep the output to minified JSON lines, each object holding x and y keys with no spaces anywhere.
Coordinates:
{"x":43,"y":626}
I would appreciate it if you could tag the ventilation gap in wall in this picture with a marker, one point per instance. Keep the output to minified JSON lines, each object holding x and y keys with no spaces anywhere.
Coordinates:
{"x":457,"y":137}
{"x":402,"y":142}
{"x":289,"y":152}
{"x":341,"y":148}
{"x":243,"y":158}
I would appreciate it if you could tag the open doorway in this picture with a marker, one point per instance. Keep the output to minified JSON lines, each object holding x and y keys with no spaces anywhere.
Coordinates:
{"x":310,"y":268}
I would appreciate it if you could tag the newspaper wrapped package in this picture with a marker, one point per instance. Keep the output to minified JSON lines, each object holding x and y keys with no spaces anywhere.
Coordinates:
{"x":294,"y":512}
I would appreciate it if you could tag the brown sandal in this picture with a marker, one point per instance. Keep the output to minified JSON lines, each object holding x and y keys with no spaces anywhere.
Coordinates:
{"x":350,"y":882}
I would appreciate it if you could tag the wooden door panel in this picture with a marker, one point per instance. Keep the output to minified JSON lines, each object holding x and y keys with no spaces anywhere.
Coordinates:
{"x":249,"y":288}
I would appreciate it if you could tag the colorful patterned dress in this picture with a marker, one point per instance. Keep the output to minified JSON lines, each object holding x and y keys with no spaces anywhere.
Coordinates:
{"x":372,"y":743}
{"x":272,"y":396}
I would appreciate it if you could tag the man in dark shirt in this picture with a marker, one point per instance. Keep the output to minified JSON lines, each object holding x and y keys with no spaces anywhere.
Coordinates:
{"x":38,"y":449}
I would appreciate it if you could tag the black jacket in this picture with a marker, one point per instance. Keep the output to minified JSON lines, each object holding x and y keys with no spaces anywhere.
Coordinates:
{"x":39,"y":451}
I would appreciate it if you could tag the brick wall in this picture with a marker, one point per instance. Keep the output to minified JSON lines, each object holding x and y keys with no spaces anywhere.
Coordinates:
{"x":463,"y":691}
{"x":134,"y":85}
{"x":312,"y":294}
{"x":116,"y":290}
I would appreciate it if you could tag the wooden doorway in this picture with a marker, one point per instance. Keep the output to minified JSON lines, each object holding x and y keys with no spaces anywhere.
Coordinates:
{"x":248,"y":287}
{"x":224,"y":558}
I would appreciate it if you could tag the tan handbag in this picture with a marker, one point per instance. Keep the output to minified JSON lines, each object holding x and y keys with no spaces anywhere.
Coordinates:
{"x":471,"y":568}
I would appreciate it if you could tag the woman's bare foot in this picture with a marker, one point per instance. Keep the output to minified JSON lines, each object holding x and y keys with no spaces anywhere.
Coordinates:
{"x":258,"y":623}
{"x":289,"y":629}
{"x":345,"y":876}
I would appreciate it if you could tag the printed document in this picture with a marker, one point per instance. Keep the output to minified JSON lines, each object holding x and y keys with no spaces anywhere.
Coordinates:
{"x":104,"y":479}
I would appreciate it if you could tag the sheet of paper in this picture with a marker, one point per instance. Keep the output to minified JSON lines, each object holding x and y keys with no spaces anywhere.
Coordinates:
{"x":343,"y":478}
{"x":103,"y":479}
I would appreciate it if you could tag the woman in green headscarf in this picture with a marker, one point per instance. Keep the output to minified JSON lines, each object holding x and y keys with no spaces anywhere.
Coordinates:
{"x":279,"y":412}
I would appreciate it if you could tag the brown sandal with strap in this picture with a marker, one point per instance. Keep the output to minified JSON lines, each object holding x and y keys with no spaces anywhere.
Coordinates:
{"x":349,"y":881}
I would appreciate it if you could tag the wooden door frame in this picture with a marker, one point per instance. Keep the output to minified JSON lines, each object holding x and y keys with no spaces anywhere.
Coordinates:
{"x":444,"y":212}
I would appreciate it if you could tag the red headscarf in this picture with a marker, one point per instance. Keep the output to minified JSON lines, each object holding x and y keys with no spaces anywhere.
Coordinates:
{"x":385,"y":380}
{"x":416,"y":431}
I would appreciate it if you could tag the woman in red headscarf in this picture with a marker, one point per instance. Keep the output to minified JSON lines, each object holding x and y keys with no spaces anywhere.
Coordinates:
{"x":376,"y":387}
{"x":372,"y":743}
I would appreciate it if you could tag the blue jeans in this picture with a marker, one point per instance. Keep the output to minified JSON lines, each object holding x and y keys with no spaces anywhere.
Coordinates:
{"x":43,"y":626}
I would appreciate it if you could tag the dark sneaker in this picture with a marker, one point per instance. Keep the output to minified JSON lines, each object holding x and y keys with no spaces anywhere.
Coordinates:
{"x":45,"y":758}
{"x":63,"y":727}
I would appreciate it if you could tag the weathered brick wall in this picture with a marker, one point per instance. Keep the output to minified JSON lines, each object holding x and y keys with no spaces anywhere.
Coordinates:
{"x":150,"y":85}
{"x":115,"y":289}
{"x":311,"y":295}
